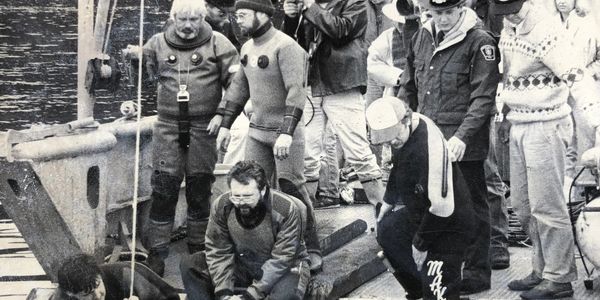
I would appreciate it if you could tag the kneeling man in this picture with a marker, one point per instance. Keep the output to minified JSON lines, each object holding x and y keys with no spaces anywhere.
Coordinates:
{"x":425,"y":221}
{"x":254,"y":245}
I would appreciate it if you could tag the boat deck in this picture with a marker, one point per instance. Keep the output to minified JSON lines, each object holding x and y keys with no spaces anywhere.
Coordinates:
{"x":20,"y":271}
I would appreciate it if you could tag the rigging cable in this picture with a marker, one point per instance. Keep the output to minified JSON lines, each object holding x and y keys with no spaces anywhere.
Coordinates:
{"x":136,"y":172}
{"x":110,"y":21}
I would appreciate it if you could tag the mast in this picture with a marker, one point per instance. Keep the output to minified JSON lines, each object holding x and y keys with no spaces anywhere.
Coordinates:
{"x":90,"y":39}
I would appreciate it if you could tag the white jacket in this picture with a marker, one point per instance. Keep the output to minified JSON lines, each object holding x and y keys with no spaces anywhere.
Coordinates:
{"x":380,"y":62}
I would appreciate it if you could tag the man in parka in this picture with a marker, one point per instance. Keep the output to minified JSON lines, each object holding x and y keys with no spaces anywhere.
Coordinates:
{"x":451,"y":77}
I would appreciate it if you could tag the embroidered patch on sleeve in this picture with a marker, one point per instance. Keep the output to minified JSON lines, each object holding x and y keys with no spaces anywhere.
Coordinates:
{"x":489,"y":52}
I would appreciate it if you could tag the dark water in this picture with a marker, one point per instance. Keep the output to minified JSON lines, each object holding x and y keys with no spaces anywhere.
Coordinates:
{"x":38,"y":60}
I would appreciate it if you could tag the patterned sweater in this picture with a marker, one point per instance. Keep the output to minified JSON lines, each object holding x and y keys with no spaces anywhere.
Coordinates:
{"x":539,"y":76}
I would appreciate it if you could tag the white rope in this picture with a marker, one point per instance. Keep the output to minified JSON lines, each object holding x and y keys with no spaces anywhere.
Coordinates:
{"x":136,"y":172}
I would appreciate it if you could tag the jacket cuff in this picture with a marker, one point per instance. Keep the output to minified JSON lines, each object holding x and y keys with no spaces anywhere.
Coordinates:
{"x":230,"y":112}
{"x":252,"y":293}
{"x":420,"y":243}
{"x":224,"y":292}
{"x":290,"y":120}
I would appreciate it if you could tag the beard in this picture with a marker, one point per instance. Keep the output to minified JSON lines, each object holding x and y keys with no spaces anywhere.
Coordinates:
{"x":251,"y":30}
{"x":245,"y":210}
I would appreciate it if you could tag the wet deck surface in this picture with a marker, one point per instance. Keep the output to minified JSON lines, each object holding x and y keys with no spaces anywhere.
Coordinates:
{"x":19,"y":263}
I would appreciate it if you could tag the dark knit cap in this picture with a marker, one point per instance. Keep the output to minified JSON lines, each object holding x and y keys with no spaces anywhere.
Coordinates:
{"x":256,"y":5}
{"x":506,"y":7}
{"x":405,"y":7}
{"x":221,"y":3}
{"x":443,"y":4}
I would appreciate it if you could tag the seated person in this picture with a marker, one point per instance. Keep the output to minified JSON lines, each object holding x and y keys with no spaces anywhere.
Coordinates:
{"x":254,"y":245}
{"x":425,"y":220}
{"x":80,"y":278}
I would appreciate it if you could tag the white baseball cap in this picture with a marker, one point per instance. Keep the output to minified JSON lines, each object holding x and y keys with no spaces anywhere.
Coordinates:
{"x":384,"y":117}
{"x":391,"y":12}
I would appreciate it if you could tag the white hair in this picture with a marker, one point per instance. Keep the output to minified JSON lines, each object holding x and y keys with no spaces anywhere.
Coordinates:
{"x":188,"y":5}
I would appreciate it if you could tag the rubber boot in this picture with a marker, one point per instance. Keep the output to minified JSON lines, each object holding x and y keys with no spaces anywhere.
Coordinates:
{"x":196,"y":230}
{"x":157,"y":241}
{"x":197,"y":193}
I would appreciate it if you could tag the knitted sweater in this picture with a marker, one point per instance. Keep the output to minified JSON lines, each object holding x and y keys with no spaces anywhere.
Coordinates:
{"x":539,"y":76}
{"x":272,"y":74}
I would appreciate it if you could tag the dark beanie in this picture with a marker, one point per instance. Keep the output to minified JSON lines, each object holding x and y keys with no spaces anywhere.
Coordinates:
{"x":256,"y":5}
{"x":221,"y":3}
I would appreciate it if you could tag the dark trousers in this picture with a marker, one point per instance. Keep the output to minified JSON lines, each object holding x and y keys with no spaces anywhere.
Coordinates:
{"x":440,"y":274}
{"x":198,"y":284}
{"x":477,"y":263}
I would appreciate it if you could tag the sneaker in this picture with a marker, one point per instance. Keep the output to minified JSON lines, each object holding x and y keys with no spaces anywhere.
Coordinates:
{"x":526,"y":283}
{"x":549,"y":290}
{"x":469,"y":286}
{"x":316,"y":262}
{"x":500,"y":258}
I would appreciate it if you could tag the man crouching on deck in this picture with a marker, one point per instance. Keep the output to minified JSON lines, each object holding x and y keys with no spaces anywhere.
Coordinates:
{"x":426,"y":216}
{"x":254,"y":245}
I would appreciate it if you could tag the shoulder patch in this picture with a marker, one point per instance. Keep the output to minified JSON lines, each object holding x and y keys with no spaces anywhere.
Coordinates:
{"x":489,"y":52}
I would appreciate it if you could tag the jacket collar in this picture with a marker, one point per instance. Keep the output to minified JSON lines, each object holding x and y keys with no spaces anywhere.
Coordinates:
{"x":175,"y":41}
{"x":467,"y":21}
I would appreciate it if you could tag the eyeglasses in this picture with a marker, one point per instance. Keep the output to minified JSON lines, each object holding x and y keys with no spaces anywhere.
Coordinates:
{"x":241,"y":199}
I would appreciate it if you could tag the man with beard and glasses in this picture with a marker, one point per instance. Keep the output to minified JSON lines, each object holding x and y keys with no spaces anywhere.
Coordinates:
{"x":254,"y":245}
{"x":426,"y":218}
{"x":190,"y":65}
{"x":272,"y":74}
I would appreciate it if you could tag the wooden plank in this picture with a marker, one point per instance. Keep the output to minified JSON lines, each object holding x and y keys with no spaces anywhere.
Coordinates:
{"x":34,"y":213}
{"x":346,"y":269}
{"x":342,"y":236}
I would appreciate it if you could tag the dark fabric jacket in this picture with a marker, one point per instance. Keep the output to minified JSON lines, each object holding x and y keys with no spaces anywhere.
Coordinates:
{"x":339,"y":62}
{"x":408,"y":184}
{"x":455,"y":83}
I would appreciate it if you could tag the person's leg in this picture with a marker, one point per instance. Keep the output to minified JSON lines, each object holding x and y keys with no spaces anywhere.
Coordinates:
{"x":166,"y":180}
{"x":520,"y":201}
{"x":544,"y":150}
{"x":329,"y":179}
{"x":477,"y":270}
{"x":201,"y":161}
{"x":496,"y":190}
{"x":346,"y":111}
{"x":441,"y":276}
{"x":196,"y":279}
{"x":260,"y":152}
{"x":315,"y":121}
{"x":395,"y":234}
{"x":290,"y":176}
{"x":292,"y":286}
